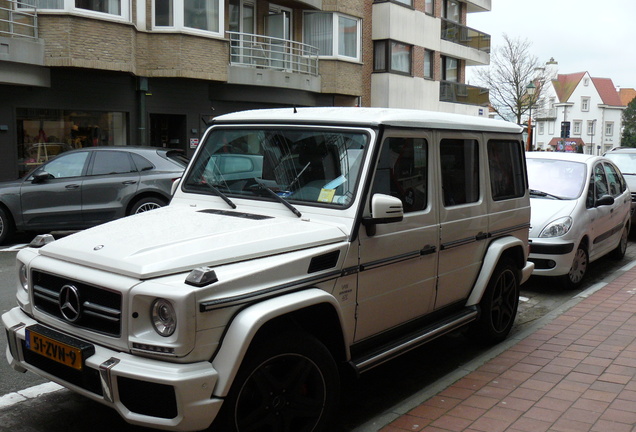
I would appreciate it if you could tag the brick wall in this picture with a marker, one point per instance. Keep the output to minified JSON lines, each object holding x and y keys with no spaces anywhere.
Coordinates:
{"x":72,"y":41}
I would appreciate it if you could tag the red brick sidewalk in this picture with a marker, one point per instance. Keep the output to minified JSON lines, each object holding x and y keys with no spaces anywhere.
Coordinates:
{"x":577,"y":373}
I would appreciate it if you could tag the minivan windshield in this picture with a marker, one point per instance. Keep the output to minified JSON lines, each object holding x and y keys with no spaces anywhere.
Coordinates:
{"x":302,"y":165}
{"x":556,"y":179}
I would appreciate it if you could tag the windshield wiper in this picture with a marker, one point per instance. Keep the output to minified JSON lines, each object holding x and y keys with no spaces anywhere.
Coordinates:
{"x":218,"y":192}
{"x":278,"y":198}
{"x":544,"y":194}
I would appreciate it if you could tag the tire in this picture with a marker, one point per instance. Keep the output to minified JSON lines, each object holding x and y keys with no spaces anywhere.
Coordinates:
{"x":288,"y":383}
{"x":499,"y":304}
{"x":6,"y":226}
{"x":621,"y":248}
{"x":146,"y":204}
{"x":575,"y":276}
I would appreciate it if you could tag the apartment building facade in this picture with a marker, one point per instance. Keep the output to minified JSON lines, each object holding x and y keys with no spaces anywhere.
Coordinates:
{"x":76,"y":73}
{"x":589,"y":108}
{"x":421,"y":49}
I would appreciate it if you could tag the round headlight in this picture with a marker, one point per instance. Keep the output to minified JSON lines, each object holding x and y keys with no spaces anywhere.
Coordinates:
{"x":164,"y":318}
{"x":23,"y":277}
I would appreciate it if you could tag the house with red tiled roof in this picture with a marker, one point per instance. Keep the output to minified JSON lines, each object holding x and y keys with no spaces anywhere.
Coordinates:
{"x":627,"y":95}
{"x":579,"y":113}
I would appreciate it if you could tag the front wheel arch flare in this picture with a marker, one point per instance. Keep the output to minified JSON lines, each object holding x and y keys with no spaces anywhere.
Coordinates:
{"x":250,"y":321}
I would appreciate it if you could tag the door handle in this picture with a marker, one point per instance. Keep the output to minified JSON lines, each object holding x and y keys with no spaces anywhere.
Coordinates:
{"x":427,"y":250}
{"x":481,"y":236}
{"x":129,"y":182}
{"x":72,"y":187}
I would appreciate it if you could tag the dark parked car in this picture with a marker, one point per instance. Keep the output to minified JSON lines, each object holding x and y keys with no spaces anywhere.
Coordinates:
{"x":86,"y":187}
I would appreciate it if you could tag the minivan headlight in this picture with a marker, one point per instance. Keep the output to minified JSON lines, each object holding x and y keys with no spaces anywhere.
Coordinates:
{"x":164,"y":318}
{"x":557,"y":228}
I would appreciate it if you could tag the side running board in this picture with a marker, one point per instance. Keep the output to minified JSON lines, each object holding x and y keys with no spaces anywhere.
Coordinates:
{"x":415,"y":339}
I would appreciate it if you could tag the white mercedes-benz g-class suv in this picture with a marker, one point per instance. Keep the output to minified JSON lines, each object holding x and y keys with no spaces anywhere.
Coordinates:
{"x":300,"y":244}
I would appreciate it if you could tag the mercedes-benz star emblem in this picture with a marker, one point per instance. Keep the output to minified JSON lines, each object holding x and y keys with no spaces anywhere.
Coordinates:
{"x":70,"y":303}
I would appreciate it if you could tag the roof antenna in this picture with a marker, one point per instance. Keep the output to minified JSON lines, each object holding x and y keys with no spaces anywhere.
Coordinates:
{"x":295,"y":111}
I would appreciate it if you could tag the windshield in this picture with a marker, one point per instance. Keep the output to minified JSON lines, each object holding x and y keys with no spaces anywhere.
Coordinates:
{"x":626,"y":162}
{"x":556,"y":178}
{"x":298,"y":164}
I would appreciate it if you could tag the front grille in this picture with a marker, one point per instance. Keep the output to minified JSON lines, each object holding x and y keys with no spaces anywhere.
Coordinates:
{"x":100,"y":309}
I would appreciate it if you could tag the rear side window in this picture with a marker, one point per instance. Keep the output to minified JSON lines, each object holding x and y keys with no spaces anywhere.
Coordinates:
{"x":177,"y":157}
{"x":505,"y":163}
{"x":402,"y":172}
{"x":111,"y":162}
{"x":460,"y":171}
{"x":141,"y":162}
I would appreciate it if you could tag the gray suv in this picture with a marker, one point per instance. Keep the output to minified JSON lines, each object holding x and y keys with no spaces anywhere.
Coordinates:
{"x":86,"y":187}
{"x":625,"y":160}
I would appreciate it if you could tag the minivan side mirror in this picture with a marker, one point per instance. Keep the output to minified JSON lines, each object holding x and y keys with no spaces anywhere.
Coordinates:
{"x":384,"y":209}
{"x":605,"y":200}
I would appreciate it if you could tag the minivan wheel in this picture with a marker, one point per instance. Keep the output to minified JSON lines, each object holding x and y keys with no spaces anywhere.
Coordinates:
{"x":621,"y":248}
{"x":287,"y":383}
{"x":6,"y":226}
{"x":574,"y":277}
{"x":499,"y":304}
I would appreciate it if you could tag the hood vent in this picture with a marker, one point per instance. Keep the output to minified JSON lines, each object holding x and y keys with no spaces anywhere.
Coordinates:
{"x":323,"y":262}
{"x":235,"y":214}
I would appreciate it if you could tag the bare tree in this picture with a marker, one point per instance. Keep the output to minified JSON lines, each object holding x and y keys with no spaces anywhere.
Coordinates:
{"x":512,"y":68}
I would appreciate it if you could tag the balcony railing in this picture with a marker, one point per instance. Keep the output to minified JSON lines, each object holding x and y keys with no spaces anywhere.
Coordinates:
{"x":453,"y":32}
{"x":462,"y":93}
{"x":272,"y":53}
{"x":18,"y":23}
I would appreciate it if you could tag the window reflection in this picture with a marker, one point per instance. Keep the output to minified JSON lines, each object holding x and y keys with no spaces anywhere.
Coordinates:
{"x":44,"y":134}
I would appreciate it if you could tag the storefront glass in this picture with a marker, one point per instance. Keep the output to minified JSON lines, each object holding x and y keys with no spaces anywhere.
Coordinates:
{"x":45,"y":133}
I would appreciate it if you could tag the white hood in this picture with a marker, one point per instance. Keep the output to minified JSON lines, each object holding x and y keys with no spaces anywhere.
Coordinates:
{"x":543,"y":211}
{"x":175,"y":239}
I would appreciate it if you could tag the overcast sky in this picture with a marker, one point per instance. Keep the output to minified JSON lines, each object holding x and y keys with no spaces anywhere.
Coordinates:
{"x":592,"y":36}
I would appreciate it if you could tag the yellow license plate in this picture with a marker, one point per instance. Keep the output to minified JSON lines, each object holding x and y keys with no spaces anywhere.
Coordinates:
{"x":55,"y":350}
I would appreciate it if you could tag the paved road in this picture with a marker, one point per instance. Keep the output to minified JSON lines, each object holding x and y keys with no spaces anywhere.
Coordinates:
{"x":374,"y":393}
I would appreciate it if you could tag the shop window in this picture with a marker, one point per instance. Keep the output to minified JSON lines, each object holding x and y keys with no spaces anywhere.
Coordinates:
{"x":46,"y":133}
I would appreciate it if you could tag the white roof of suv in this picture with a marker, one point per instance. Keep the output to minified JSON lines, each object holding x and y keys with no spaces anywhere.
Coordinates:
{"x":372,"y":116}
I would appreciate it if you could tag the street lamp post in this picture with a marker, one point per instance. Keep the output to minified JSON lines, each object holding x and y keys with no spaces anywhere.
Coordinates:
{"x":530,"y":89}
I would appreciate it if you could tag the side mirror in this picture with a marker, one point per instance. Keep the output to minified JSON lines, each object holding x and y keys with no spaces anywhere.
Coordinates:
{"x":605,"y":200}
{"x":384,"y":209}
{"x":175,"y":186}
{"x":41,"y":177}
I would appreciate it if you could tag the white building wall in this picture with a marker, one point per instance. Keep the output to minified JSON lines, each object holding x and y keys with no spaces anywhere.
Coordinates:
{"x":598,"y":142}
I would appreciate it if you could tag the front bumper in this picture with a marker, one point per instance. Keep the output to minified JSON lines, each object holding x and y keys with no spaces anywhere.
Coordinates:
{"x":551,"y":258}
{"x":143,"y":391}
